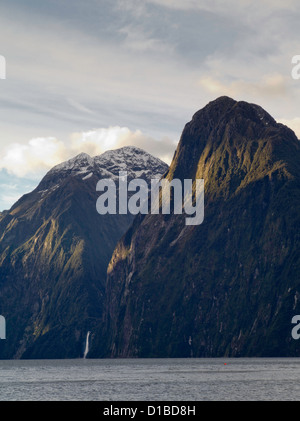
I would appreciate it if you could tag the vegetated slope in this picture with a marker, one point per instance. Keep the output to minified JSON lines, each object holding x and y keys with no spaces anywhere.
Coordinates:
{"x":227,"y":287}
{"x":54,"y":252}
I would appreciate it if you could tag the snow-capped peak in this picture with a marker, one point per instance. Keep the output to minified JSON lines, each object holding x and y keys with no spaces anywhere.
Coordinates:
{"x":79,"y":161}
{"x":137,"y":163}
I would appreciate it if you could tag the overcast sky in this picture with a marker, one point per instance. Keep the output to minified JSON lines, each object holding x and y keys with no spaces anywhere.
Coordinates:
{"x":92,"y":75}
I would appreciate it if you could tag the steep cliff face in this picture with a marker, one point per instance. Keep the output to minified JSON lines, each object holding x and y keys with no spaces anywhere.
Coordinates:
{"x":54,"y":252}
{"x":231,"y":285}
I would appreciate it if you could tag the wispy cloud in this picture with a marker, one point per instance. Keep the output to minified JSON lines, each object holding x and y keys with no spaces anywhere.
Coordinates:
{"x":146,"y":56}
{"x":230,"y":6}
{"x":139,"y":40}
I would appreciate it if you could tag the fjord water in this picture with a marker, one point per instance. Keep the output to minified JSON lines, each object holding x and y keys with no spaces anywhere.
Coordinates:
{"x":150,"y":380}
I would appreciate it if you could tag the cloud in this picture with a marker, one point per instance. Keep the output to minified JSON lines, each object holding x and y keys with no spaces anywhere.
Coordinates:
{"x":38,"y":155}
{"x":137,"y":39}
{"x":31,"y":158}
{"x":95,"y":142}
{"x":132,"y":63}
{"x":230,"y":6}
{"x":269,"y":86}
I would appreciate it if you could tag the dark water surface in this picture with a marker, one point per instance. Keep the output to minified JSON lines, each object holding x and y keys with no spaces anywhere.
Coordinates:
{"x":151,"y":380}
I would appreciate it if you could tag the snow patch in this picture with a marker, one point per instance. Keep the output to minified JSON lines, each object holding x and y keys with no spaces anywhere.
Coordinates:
{"x":88,"y":176}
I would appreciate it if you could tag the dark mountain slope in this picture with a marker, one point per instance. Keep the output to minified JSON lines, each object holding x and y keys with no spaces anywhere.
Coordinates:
{"x":54,"y":252}
{"x":230,"y":286}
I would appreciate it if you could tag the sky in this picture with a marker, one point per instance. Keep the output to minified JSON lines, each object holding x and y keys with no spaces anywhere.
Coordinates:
{"x":92,"y":75}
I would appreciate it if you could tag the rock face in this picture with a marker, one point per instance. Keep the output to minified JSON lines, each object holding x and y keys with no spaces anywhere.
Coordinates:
{"x":227,"y":287}
{"x":54,"y":252}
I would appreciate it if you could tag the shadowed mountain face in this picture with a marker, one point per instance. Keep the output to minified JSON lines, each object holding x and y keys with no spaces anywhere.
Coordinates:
{"x":54,"y":252}
{"x":227,"y":287}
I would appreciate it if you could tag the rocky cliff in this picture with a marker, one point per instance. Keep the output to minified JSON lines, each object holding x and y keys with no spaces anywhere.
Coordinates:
{"x":227,"y":287}
{"x":54,"y":252}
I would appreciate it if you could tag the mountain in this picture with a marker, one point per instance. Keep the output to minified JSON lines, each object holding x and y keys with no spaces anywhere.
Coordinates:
{"x":54,"y":252}
{"x":231,"y":285}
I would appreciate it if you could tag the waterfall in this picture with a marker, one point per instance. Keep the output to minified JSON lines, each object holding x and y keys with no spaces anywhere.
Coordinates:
{"x":86,"y":345}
